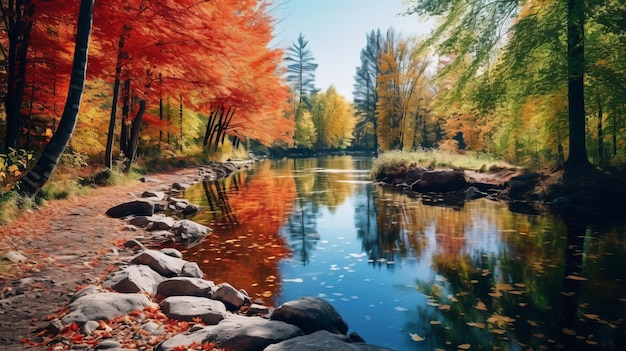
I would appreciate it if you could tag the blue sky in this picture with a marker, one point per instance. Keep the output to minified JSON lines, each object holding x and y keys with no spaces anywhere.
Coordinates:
{"x":336,"y":31}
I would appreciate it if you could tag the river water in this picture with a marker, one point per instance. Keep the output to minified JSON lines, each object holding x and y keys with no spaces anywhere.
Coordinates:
{"x":411,"y":276}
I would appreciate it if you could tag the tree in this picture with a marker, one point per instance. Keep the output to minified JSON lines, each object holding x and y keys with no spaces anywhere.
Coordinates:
{"x":333,"y":120}
{"x":365,"y":94}
{"x":32,"y":182}
{"x":300,"y":71}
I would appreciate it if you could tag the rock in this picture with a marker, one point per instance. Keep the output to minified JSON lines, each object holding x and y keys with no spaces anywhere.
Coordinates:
{"x":154,"y":222}
{"x":186,"y":308}
{"x":191,"y":209}
{"x":522,"y":184}
{"x":237,"y":333}
{"x":440,"y":181}
{"x":190,"y":230}
{"x":256,"y":309}
{"x":91,"y":289}
{"x":161,"y":263}
{"x":311,"y":314}
{"x":159,"y":195}
{"x":104,"y":306}
{"x":184,"y":286}
{"x":89,"y":327}
{"x":137,"y":208}
{"x":134,"y":279}
{"x":153,"y":328}
{"x":191,"y":269}
{"x":232,"y":298}
{"x":472,"y":193}
{"x":180,"y":186}
{"x":172,"y":252}
{"x":109,"y":345}
{"x":14,"y":256}
{"x":414,"y":174}
{"x":323,"y":341}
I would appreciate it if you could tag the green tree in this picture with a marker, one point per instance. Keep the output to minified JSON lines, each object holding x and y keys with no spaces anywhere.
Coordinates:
{"x":300,"y":71}
{"x":365,"y":94}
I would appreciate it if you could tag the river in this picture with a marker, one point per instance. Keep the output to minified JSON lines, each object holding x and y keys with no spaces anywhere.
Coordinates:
{"x":411,"y":276}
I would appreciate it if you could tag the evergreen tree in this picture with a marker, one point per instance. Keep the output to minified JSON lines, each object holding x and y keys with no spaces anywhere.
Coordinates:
{"x":365,"y":94}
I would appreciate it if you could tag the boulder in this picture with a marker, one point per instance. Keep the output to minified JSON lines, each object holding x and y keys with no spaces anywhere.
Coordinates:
{"x":414,"y":174}
{"x":136,"y":208}
{"x":184,"y":286}
{"x":311,"y":314}
{"x":440,"y":181}
{"x":231,"y":297}
{"x":134,"y":279}
{"x":160,"y":262}
{"x":154,"y":222}
{"x":192,"y":270}
{"x":186,"y":308}
{"x":172,"y":252}
{"x":159,"y":195}
{"x":522,"y":184}
{"x":323,"y":341}
{"x":190,"y":230}
{"x":236,"y":333}
{"x":104,"y":306}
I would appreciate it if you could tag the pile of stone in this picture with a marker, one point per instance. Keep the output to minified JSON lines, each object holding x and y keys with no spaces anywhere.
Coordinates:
{"x":223,"y":315}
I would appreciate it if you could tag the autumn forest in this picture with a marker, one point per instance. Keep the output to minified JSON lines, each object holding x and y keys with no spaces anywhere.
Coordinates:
{"x":535,"y":83}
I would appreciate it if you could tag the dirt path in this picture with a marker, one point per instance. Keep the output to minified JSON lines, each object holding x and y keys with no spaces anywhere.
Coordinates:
{"x":68,"y":243}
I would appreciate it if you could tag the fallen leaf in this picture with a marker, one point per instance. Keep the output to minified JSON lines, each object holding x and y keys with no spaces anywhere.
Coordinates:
{"x":591,"y":316}
{"x":435,"y":322}
{"x":416,"y":337}
{"x":568,"y":331}
{"x":464,"y":346}
{"x":575,"y":277}
{"x":481,"y":306}
{"x":476,"y":325}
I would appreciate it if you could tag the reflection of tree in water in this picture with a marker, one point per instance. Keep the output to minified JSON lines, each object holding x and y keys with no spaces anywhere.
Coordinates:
{"x":301,"y":231}
{"x":217,"y":197}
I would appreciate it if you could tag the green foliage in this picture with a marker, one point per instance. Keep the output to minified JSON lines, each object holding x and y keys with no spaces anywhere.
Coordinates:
{"x":12,"y":165}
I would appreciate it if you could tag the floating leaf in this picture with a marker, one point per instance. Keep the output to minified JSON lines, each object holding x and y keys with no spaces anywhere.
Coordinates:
{"x":416,"y":337}
{"x":481,"y":306}
{"x":568,"y":331}
{"x":575,"y":277}
{"x":504,"y":287}
{"x":591,"y":316}
{"x":464,"y":346}
{"x":474,"y":281}
{"x":444,"y":307}
{"x":266,"y":294}
{"x":533,"y":323}
{"x":498,"y":331}
{"x":476,"y":325}
{"x":495,"y":294}
{"x":435,"y":322}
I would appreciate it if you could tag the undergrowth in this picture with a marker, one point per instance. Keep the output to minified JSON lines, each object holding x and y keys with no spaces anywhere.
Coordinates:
{"x":432,"y":159}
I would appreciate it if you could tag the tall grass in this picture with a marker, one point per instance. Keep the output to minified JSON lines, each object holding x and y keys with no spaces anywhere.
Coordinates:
{"x":433,"y":159}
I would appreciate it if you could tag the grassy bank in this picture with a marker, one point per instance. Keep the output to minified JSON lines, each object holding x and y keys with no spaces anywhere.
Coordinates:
{"x":394,"y":161}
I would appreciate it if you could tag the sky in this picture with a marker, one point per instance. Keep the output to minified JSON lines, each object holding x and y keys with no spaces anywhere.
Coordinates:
{"x":336,"y":31}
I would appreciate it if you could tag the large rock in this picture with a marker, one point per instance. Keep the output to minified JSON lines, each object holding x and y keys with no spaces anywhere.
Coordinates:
{"x":311,"y":314}
{"x":190,"y":230}
{"x":237,"y":333}
{"x":154,"y":222}
{"x":323,"y":341}
{"x":134,"y":279}
{"x":104,"y":306}
{"x":186,"y":308}
{"x":440,"y":181}
{"x":160,"y":262}
{"x":231,"y":297}
{"x":136,"y":208}
{"x":192,"y":270}
{"x":184,"y":286}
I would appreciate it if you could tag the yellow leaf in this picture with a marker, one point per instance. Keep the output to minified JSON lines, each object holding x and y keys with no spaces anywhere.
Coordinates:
{"x":416,"y":337}
{"x":464,"y":346}
{"x":481,"y":306}
{"x":591,"y":315}
{"x":477,"y":325}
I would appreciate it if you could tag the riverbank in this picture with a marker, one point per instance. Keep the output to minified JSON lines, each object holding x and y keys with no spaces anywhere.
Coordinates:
{"x":71,"y":245}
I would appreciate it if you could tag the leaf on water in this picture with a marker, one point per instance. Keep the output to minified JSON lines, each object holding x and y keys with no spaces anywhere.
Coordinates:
{"x":416,"y":337}
{"x":432,"y":303}
{"x":591,"y":316}
{"x":498,"y":331}
{"x":452,"y":298}
{"x":504,"y":287}
{"x":476,"y":325}
{"x":495,"y":294}
{"x":591,"y":342}
{"x":533,"y":323}
{"x":481,"y":306}
{"x":522,"y":304}
{"x":444,"y":307}
{"x":266,"y":294}
{"x":568,"y":331}
{"x":435,"y":322}
{"x":517,"y":292}
{"x":474,"y":281}
{"x":520,"y":285}
{"x":496,"y":318}
{"x":539,"y":336}
{"x":464,"y":346}
{"x":576,"y":277}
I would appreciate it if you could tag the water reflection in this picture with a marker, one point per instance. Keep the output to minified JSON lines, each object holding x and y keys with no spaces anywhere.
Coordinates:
{"x":410,"y":276}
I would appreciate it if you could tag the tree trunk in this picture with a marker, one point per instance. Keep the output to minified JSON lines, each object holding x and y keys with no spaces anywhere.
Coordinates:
{"x":600,"y":134}
{"x":108,"y":154}
{"x":125,"y":118}
{"x":577,"y":161}
{"x":32,"y":182}
{"x":133,"y":142}
{"x":19,"y":30}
